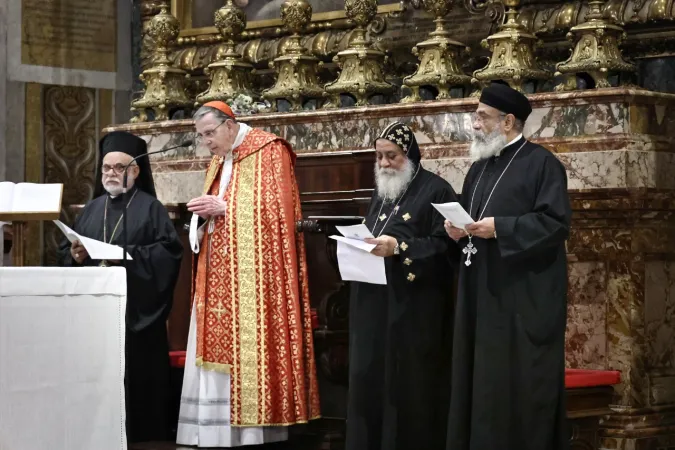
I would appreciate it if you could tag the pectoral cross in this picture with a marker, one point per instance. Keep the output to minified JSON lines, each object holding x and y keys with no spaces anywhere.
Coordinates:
{"x":468,"y":251}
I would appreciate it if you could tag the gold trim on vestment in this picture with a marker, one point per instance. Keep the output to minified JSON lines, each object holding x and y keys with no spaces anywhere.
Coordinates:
{"x":214,"y":367}
{"x":248,"y":310}
{"x":261,"y":291}
{"x":234,"y":381}
{"x":211,"y":173}
{"x":285,"y":424}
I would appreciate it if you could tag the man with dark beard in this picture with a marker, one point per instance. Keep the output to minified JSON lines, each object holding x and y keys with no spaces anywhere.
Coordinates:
{"x":508,"y":360}
{"x":401,"y":333}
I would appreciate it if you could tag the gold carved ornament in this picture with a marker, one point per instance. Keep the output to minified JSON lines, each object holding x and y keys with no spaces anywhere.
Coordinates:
{"x":361,"y":65}
{"x":164,"y":84}
{"x":438,"y":55}
{"x":512,"y":57}
{"x":230,"y":75}
{"x":596,"y":51}
{"x":296,"y":69}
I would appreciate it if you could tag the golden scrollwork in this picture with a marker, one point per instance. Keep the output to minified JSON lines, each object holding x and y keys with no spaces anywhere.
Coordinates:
{"x":512,"y":50}
{"x":164,"y":84}
{"x":438,"y":57}
{"x":230,"y":75}
{"x":596,"y":51}
{"x":297,"y":78}
{"x":361,"y":75}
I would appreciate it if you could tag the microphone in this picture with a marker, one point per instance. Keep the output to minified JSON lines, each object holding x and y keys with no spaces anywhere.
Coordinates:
{"x":124,"y":192}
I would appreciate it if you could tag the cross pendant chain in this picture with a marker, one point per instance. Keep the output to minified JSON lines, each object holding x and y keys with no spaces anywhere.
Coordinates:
{"x":468,"y":251}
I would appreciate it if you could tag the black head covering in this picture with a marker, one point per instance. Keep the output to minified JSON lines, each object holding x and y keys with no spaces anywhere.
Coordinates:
{"x":507,"y":100}
{"x":121,"y":141}
{"x":401,"y":135}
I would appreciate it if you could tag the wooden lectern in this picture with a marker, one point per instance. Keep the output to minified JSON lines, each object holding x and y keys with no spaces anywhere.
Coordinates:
{"x":19,"y":221}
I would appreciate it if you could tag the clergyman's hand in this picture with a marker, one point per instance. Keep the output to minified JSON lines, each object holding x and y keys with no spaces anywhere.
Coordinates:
{"x":207,"y":206}
{"x":384,"y":245}
{"x":78,"y":252}
{"x":455,"y":233}
{"x":483,"y":228}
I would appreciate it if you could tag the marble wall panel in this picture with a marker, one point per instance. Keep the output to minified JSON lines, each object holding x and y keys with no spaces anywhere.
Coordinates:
{"x":586,"y":336}
{"x":659,"y":314}
{"x":625,"y":330}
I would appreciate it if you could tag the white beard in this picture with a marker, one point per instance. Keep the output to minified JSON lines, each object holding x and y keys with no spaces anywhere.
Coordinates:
{"x":487,"y":145}
{"x":391,"y":182}
{"x":113,"y":189}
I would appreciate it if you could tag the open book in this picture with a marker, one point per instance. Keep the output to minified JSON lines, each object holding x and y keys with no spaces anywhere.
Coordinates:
{"x":29,"y":198}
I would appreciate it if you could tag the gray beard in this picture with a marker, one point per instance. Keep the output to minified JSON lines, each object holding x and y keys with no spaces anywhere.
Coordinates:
{"x":487,"y":145}
{"x":391,"y":182}
{"x":114,"y":189}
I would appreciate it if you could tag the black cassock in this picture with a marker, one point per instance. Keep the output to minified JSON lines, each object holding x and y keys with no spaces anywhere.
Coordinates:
{"x":401,"y":333}
{"x":156,"y":251}
{"x":509,"y":347}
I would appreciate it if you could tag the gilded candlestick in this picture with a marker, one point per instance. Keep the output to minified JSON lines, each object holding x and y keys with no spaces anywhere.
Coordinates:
{"x":297,"y":79}
{"x":361,"y":65}
{"x":512,"y":59}
{"x":164,"y":84}
{"x":230,"y":76}
{"x":438,"y":56}
{"x":596,"y":51}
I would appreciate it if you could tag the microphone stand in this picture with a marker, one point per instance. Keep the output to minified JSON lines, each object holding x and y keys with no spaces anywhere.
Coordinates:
{"x":124,"y":194}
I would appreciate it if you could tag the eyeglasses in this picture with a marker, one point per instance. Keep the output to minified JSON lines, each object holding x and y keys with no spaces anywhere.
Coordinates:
{"x":475,"y":117}
{"x":207,"y":134}
{"x":118,"y":168}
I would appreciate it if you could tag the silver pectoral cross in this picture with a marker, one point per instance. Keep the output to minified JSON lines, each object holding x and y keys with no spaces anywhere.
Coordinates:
{"x":468,"y":251}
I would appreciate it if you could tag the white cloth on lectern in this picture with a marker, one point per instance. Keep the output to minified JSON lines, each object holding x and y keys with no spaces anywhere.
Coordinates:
{"x":196,"y":232}
{"x":204,"y":418}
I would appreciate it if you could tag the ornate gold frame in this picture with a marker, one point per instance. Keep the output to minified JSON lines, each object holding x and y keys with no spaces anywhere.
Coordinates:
{"x":182,"y":10}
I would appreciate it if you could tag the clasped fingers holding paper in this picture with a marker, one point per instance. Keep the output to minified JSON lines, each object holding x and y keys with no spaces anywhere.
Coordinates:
{"x":78,"y":252}
{"x":455,"y":233}
{"x":483,"y":228}
{"x":384,"y":245}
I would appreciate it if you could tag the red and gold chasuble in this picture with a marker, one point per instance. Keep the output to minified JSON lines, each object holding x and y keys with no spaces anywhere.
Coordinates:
{"x":251,"y":292}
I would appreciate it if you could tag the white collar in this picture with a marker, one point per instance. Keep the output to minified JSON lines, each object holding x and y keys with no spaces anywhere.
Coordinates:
{"x":241,"y":135}
{"x":519,"y":137}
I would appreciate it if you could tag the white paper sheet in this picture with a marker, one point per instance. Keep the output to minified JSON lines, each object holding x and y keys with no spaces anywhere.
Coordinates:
{"x":454,"y":213}
{"x":97,"y":250}
{"x":355,"y":261}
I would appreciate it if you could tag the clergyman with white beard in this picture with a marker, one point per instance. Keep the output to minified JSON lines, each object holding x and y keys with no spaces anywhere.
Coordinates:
{"x":156,"y":253}
{"x":400,"y":333}
{"x":508,"y":364}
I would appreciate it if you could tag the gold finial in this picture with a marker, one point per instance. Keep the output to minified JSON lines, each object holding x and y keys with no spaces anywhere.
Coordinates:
{"x":438,"y":57}
{"x":164,"y":84}
{"x":296,"y":70}
{"x":512,"y":57}
{"x":230,"y":75}
{"x":596,"y":51}
{"x":361,"y":75}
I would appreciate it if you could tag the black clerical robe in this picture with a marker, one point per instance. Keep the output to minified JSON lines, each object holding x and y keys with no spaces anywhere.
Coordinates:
{"x":151,"y":277}
{"x":509,"y":341}
{"x":401,"y":333}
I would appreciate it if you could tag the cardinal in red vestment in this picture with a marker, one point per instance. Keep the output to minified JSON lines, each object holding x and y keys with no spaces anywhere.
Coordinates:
{"x":250,"y":369}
